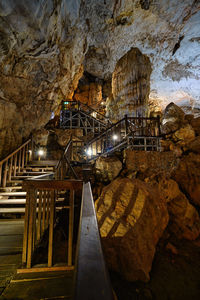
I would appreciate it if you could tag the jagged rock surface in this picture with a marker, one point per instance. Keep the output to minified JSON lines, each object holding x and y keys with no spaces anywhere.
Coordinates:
{"x":107,"y":168}
{"x":46,"y":45}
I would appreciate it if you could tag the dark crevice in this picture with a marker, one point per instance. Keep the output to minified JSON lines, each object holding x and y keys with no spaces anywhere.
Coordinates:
{"x":145,"y":4}
{"x":177,"y":45}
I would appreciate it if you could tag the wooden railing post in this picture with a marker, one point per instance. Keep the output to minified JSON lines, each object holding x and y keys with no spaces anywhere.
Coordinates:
{"x":71,"y":225}
{"x":5,"y":174}
{"x":15,"y":165}
{"x":51,"y":224}
{"x":26,"y":224}
{"x":0,"y":173}
{"x":10,"y":169}
{"x":19,"y":160}
{"x":33,"y":200}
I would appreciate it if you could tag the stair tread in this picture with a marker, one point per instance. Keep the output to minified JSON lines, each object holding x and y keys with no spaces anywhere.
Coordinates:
{"x":12,"y":210}
{"x":13,"y":194}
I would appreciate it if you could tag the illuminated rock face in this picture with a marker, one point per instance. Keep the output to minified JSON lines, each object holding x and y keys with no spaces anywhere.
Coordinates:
{"x":132,"y":218}
{"x":46,"y":45}
{"x":130,"y":86}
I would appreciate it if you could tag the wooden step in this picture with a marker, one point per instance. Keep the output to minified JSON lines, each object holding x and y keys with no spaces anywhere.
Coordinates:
{"x":22,"y":201}
{"x":13,"y":210}
{"x":31,"y":173}
{"x":13,"y":194}
{"x":8,"y":188}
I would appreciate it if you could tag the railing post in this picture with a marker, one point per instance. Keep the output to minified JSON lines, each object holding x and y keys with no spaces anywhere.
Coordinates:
{"x":10,"y":169}
{"x":5,"y":174}
{"x":26,"y":223}
{"x":32,"y":199}
{"x":0,"y":173}
{"x":52,"y":211}
{"x":19,"y":160}
{"x":15,"y":165}
{"x":71,"y":224}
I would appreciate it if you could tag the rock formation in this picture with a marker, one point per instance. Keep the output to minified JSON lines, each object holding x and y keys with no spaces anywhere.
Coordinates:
{"x":46,"y":45}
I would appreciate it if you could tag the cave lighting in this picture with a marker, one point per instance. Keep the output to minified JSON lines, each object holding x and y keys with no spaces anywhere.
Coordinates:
{"x":115,"y":137}
{"x":89,"y":152}
{"x":40,"y":152}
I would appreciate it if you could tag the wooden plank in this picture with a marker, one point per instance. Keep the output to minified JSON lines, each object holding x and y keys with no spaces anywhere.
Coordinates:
{"x":32,"y":199}
{"x":53,"y":184}
{"x":39,"y":216}
{"x":26,"y":222}
{"x":5,"y":174}
{"x":23,"y":157}
{"x":0,"y":173}
{"x":19,"y":160}
{"x":13,"y":153}
{"x":43,"y":210}
{"x":10,"y":169}
{"x":15,"y":165}
{"x":71,"y":226}
{"x":45,"y":269}
{"x":48,"y":206}
{"x":51,"y":225}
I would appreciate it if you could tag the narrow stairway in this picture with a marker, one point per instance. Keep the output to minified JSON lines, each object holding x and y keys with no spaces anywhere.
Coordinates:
{"x":13,"y":197}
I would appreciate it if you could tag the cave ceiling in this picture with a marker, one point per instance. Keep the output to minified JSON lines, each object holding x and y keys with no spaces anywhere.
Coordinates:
{"x":46,"y":45}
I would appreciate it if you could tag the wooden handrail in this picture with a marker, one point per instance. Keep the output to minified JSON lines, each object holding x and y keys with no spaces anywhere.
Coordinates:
{"x":14,"y":152}
{"x":91,"y":275}
{"x":14,"y":162}
{"x":41,"y":199}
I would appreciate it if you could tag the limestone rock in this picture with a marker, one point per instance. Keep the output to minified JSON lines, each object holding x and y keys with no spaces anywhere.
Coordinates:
{"x":151,"y":162}
{"x":132,"y":217}
{"x":40,"y":137}
{"x":172,"y":119}
{"x":184,"y":135}
{"x":194,"y":145}
{"x":196,"y":125}
{"x":187,"y":175}
{"x":184,"y":218}
{"x":63,"y":135}
{"x":107,"y":168}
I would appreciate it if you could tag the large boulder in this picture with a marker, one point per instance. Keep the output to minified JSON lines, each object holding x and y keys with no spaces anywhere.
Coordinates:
{"x":184,"y":135}
{"x":184,"y":218}
{"x":172,"y":119}
{"x":196,"y":125}
{"x":194,"y":146}
{"x":132,"y":217}
{"x":107,"y":168}
{"x":188,"y":177}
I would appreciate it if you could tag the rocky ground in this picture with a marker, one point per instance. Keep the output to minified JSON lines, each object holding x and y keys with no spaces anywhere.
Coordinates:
{"x":148,"y":213}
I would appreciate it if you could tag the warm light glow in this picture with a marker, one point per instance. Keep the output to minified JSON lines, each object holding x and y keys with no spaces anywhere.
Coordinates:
{"x":102,"y":103}
{"x":115,"y":137}
{"x":40,"y":152}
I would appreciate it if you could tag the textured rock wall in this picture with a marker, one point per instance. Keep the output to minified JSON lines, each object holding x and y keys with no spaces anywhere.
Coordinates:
{"x":130,"y":85}
{"x":46,"y":45}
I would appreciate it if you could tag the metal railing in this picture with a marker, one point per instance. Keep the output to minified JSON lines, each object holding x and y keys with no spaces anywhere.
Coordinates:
{"x":91,"y":275}
{"x":124,"y":133}
{"x":13,"y":163}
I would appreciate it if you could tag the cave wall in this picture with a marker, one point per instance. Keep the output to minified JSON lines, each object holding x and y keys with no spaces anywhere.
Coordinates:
{"x":130,"y":86}
{"x":46,"y":45}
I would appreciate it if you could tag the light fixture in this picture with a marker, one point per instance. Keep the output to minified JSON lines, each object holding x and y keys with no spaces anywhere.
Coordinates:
{"x":89,"y":152}
{"x":115,"y":137}
{"x":40,"y":152}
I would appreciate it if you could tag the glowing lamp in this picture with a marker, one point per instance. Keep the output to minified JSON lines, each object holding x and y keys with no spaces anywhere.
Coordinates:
{"x":40,"y":152}
{"x":89,"y":152}
{"x":114,"y":137}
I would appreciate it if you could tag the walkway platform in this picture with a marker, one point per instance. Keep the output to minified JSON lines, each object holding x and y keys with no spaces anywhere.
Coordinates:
{"x":30,"y":286}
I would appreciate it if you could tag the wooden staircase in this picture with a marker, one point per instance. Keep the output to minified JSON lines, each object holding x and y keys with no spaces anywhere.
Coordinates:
{"x":13,"y":197}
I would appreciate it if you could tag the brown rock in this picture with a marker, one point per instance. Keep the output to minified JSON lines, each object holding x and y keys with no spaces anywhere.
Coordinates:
{"x":184,"y":218}
{"x":150,"y":163}
{"x":184,"y":135}
{"x":107,"y":168}
{"x":171,"y":248}
{"x":194,"y":146}
{"x":188,"y":176}
{"x":40,"y":137}
{"x":173,"y":118}
{"x":132,"y":217}
{"x":196,"y":125}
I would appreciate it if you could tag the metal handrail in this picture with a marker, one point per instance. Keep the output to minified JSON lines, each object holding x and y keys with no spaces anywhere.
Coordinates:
{"x":91,"y":276}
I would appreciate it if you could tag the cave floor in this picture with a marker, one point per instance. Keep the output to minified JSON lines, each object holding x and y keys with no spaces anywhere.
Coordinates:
{"x":45,"y":285}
